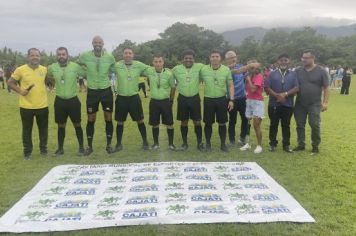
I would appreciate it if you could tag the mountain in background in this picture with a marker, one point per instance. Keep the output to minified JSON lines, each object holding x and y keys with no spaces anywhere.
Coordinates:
{"x":235,"y":37}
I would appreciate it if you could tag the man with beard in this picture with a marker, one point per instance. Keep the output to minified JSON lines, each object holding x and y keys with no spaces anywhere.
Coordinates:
{"x":98,"y":66}
{"x":64,"y":75}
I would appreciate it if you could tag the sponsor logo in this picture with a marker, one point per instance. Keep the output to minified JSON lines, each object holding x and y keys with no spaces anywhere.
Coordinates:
{"x":63,"y":180}
{"x":174,"y":176}
{"x":238,"y":197}
{"x":201,"y":186}
{"x":230,"y":185}
{"x":265,"y":197}
{"x":31,"y":216}
{"x":88,"y":181}
{"x":241,"y":168}
{"x":221,"y":169}
{"x":195,"y":169}
{"x":247,"y":177}
{"x":199,"y":177}
{"x":212,"y":209}
{"x":174,"y":186}
{"x":120,"y":171}
{"x":147,"y":169}
{"x":54,"y":191}
{"x":66,"y":216}
{"x":70,"y":172}
{"x":80,"y":191}
{"x":171,"y":169}
{"x":225,"y":177}
{"x":256,"y":186}
{"x":114,"y":189}
{"x":146,"y":212}
{"x":105,"y":215}
{"x":109,"y":202}
{"x":246,"y":209}
{"x":43,"y":203}
{"x":176,"y":197}
{"x":92,"y":172}
{"x":144,"y":188}
{"x":176,"y":209}
{"x":144,"y":178}
{"x":118,"y":179}
{"x":142,"y":200}
{"x":275,"y":209}
{"x":207,"y":197}
{"x":73,"y":204}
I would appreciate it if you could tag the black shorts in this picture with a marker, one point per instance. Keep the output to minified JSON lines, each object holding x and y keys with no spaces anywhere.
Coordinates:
{"x":67,"y":107}
{"x":96,"y":96}
{"x":158,"y":109}
{"x":128,"y":104}
{"x":188,"y":108}
{"x":215,"y":107}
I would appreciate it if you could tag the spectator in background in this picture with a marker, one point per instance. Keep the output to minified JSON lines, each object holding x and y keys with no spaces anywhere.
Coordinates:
{"x":346,"y":80}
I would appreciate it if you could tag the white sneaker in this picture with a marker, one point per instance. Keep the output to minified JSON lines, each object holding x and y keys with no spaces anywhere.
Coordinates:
{"x":245,"y":147}
{"x":258,"y":149}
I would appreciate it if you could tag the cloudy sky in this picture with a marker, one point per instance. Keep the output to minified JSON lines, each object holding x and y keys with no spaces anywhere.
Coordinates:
{"x":48,"y":24}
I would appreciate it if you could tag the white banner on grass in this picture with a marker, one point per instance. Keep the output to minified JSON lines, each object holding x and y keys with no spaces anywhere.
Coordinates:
{"x":72,"y":197}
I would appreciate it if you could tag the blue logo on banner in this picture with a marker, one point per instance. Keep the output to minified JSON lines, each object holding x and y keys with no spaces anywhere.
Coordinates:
{"x":206,"y":197}
{"x":201,"y":186}
{"x":275,"y":209}
{"x":80,"y":191}
{"x":144,"y":188}
{"x":142,"y":200}
{"x":256,"y":186}
{"x":195,"y":169}
{"x":88,"y":181}
{"x":140,"y":213}
{"x":73,"y":204}
{"x":214,"y":209}
{"x":144,"y":178}
{"x":92,"y":172}
{"x":199,"y":177}
{"x":265,"y":197}
{"x":67,"y":216}
{"x":247,"y":177}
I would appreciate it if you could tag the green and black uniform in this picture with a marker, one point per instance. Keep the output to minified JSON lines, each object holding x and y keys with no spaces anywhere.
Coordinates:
{"x":189,"y":107}
{"x":216,"y":88}
{"x":128,"y":101}
{"x":160,"y":104}
{"x":98,"y":71}
{"x":66,"y":103}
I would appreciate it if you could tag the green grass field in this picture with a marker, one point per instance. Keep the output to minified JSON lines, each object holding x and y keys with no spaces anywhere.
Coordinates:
{"x":325,"y":185}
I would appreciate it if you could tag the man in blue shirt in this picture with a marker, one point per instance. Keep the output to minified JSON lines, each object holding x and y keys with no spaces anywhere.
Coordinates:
{"x":239,"y":100}
{"x":281,"y":86}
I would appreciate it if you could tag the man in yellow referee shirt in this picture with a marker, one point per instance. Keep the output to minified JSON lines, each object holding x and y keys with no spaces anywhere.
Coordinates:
{"x":29,"y":82}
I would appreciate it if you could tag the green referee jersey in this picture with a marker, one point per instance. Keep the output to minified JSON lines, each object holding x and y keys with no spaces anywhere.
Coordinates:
{"x":187,"y":79}
{"x":160,"y":83}
{"x":98,"y":69}
{"x":216,"y":82}
{"x":128,"y":77}
{"x":65,"y":78}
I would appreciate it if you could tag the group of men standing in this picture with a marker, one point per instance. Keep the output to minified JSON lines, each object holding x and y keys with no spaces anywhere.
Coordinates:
{"x":224,"y":93}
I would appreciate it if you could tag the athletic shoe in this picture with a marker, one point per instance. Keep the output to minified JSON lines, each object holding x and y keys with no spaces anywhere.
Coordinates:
{"x":26,"y":157}
{"x":118,"y":147}
{"x":258,"y":149}
{"x":59,"y":152}
{"x":145,"y":146}
{"x":223,"y":148}
{"x":88,"y":151}
{"x":288,"y":149}
{"x":315,"y":151}
{"x":81,"y":151}
{"x":109,"y":149}
{"x":208,"y":147}
{"x":184,"y":147}
{"x":172,"y":147}
{"x":155,"y":147}
{"x":299,"y":148}
{"x":272,"y":148}
{"x":201,"y":147}
{"x":245,"y":147}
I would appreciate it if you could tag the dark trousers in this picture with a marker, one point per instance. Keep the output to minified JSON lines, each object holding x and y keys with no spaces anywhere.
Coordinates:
{"x":312,"y":111}
{"x":276,"y":114}
{"x":239,"y":107}
{"x":27,"y":116}
{"x":345,"y":87}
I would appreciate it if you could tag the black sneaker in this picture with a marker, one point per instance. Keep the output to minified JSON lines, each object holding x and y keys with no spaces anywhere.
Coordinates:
{"x":88,"y":151}
{"x":145,"y":146}
{"x":81,"y":151}
{"x":224,"y":148}
{"x":26,"y":157}
{"x":44,"y":153}
{"x":59,"y":152}
{"x":118,"y":147}
{"x":155,"y":146}
{"x":315,"y":151}
{"x":109,"y":149}
{"x":201,"y":147}
{"x":299,"y":148}
{"x":288,"y":149}
{"x":172,"y":147}
{"x":208,"y":147}
{"x":232,"y":143}
{"x":272,"y":148}
{"x":184,"y":147}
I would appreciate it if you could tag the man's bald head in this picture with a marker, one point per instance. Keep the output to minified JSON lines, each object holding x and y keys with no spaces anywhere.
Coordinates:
{"x":98,"y":43}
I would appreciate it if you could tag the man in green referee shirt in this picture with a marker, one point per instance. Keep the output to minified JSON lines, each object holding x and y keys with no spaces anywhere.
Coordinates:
{"x":64,"y":75}
{"x":128,"y":72}
{"x":99,"y":65}
{"x":162,"y":86}
{"x":187,"y":79}
{"x":218,"y":84}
